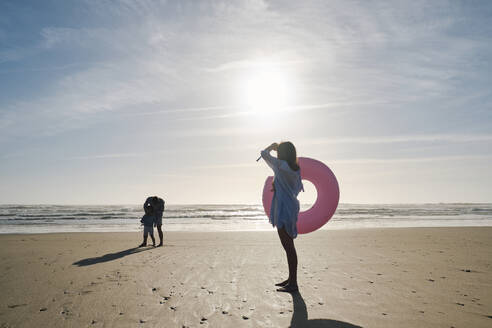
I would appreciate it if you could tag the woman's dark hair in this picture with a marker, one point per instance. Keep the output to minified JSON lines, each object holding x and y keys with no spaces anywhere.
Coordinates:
{"x":287,"y":152}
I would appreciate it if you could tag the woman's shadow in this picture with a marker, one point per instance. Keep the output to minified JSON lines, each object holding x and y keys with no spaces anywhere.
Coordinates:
{"x":300,"y":317}
{"x":109,"y":257}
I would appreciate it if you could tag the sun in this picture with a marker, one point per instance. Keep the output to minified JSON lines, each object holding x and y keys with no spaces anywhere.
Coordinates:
{"x":265,"y":91}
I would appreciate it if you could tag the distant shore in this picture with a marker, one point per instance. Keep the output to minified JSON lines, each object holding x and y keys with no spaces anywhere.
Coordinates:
{"x":393,"y":277}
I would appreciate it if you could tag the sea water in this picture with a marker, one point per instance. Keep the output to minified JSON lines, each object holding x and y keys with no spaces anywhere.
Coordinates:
{"x":91,"y":218}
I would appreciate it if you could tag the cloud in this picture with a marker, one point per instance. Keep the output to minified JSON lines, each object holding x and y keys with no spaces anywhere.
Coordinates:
{"x":106,"y":156}
{"x":449,"y":138}
{"x":410,"y":159}
{"x":178,"y":110}
{"x":249,"y":64}
{"x":224,"y":166}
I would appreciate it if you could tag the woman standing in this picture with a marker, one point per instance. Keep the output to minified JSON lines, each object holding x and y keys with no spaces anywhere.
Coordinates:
{"x":287,"y":184}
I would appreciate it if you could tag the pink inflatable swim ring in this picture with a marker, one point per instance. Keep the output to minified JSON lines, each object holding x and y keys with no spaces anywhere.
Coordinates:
{"x":327,"y":189}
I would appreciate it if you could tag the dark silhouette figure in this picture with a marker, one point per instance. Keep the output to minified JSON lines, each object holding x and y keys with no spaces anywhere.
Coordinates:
{"x":109,"y":257}
{"x":300,"y":317}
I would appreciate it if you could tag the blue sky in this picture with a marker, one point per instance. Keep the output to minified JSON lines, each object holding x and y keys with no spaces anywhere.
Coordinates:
{"x":106,"y":102}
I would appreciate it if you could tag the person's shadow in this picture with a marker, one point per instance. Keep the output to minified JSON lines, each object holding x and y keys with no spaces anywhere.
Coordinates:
{"x":109,"y":257}
{"x":300,"y":317}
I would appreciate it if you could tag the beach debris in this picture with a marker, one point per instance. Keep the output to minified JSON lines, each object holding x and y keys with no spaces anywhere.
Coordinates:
{"x":460,"y":304}
{"x":65,"y":312}
{"x":93,"y":322}
{"x":121,"y":313}
{"x":321,"y":303}
{"x":224,"y":312}
{"x":142,"y":321}
{"x":431,"y":280}
{"x":466,"y":270}
{"x":384,"y":313}
{"x":154,"y":289}
{"x":13,"y":306}
{"x":245,"y":317}
{"x":42,"y":309}
{"x":173,"y":308}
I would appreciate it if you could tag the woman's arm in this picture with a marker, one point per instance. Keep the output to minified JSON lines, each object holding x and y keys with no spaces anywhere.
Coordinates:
{"x":273,"y":146}
{"x":273,"y":162}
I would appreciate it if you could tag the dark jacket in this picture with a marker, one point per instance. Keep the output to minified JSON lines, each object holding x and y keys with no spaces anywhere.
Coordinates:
{"x":148,"y":220}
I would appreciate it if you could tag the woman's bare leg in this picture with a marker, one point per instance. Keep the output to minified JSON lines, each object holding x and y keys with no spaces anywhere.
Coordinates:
{"x":290,"y":250}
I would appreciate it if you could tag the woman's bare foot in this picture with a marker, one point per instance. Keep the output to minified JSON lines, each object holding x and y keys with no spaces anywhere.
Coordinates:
{"x":283,"y":283}
{"x":288,"y":289}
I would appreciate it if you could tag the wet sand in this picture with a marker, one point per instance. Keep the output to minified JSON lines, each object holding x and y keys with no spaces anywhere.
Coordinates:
{"x":406,"y":277}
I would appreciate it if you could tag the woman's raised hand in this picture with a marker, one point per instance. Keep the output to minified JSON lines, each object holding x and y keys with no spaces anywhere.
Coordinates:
{"x":273,"y":146}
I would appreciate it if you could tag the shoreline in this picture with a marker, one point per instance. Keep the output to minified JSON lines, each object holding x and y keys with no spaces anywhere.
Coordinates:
{"x":239,"y":231}
{"x":263,"y":226}
{"x":372,"y":277}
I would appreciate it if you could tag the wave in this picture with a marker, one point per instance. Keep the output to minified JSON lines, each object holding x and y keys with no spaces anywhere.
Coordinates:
{"x":122,"y":216}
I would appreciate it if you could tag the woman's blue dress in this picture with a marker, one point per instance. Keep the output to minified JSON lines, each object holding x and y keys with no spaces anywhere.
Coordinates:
{"x":288,"y":184}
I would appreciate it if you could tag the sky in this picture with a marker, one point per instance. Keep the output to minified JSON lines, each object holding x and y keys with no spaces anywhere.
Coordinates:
{"x":107,"y":102}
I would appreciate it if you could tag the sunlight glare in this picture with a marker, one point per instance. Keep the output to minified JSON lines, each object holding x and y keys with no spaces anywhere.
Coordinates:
{"x":265,"y":91}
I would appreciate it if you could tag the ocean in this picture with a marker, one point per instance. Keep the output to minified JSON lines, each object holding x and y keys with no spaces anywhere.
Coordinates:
{"x":92,"y":218}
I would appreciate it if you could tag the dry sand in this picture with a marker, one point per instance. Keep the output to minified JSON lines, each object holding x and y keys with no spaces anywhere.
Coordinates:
{"x":422,"y":277}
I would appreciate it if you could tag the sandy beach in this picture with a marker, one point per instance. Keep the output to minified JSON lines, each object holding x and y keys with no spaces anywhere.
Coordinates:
{"x":408,"y":277}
